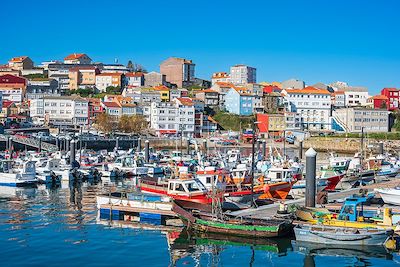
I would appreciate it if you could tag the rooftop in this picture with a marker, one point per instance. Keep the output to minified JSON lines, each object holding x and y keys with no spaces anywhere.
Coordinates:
{"x":74,"y":56}
{"x":308,"y":90}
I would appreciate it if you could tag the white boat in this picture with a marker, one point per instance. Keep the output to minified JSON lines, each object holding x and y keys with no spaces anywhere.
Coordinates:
{"x":16,"y":173}
{"x":390,"y":195}
{"x":45,"y":171}
{"x":129,"y":166}
{"x":135,"y":200}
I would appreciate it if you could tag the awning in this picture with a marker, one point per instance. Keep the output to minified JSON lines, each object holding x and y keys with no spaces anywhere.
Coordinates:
{"x":167,"y":131}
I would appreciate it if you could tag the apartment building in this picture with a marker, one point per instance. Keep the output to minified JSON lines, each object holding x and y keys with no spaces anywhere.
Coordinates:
{"x":176,"y":117}
{"x":13,"y":88}
{"x":242,"y":74}
{"x":393,"y":96}
{"x":104,"y":80}
{"x":353,"y":119}
{"x":178,"y":71}
{"x":82,"y":77}
{"x":210,"y":97}
{"x":134,"y":79}
{"x":220,"y":77}
{"x":355,"y":96}
{"x":39,"y":88}
{"x":20,"y":63}
{"x":58,"y":111}
{"x":153,"y":78}
{"x":314,"y":106}
{"x":239,"y":100}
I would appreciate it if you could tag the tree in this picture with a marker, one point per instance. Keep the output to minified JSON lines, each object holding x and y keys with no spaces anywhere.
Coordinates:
{"x":115,"y":90}
{"x":105,"y":123}
{"x":132,"y":123}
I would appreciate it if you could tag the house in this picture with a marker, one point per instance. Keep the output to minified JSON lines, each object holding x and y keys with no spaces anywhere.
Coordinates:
{"x":164,"y":92}
{"x":314,"y":106}
{"x":222,"y":88}
{"x":6,"y":69}
{"x":82,"y":77}
{"x":112,"y":108}
{"x":41,"y":87}
{"x":239,"y":101}
{"x":134,"y":79}
{"x":271,"y":124}
{"x":210,"y":97}
{"x":77,"y":58}
{"x":60,"y":110}
{"x":142,"y":95}
{"x":393,"y":96}
{"x":8,"y":109}
{"x":153,"y":78}
{"x":178,"y":71}
{"x":355,"y":96}
{"x":220,"y":77}
{"x":20,"y":63}
{"x":378,"y":102}
{"x":13,"y":88}
{"x":338,"y":99}
{"x":354,"y":119}
{"x":271,"y":99}
{"x":104,"y":80}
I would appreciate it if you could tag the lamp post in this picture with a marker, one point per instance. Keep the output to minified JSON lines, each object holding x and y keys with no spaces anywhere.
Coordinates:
{"x":253,"y":162}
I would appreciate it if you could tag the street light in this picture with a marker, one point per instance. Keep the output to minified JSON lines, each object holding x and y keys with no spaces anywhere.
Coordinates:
{"x":253,"y":161}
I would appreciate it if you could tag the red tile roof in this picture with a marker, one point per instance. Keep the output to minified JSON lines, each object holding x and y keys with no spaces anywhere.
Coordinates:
{"x":109,"y":74}
{"x":74,"y":56}
{"x":271,"y":88}
{"x":8,"y":78}
{"x":7,"y":103}
{"x":18,"y":59}
{"x":134,"y":74}
{"x":186,"y":101}
{"x":379,"y":97}
{"x":308,"y":90}
{"x":111,"y":104}
{"x":223,"y":84}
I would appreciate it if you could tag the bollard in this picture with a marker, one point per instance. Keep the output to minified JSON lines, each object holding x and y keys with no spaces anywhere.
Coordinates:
{"x":300,"y":150}
{"x":40,"y":145}
{"x":67,"y":144}
{"x":188,"y":146}
{"x":147,"y":151}
{"x":9,"y":143}
{"x":57,"y":143}
{"x":117,"y":143}
{"x":72,"y":151}
{"x":264,"y":149}
{"x":311,"y":167}
{"x":139,"y":144}
{"x":381,"y":149}
{"x":205,"y":147}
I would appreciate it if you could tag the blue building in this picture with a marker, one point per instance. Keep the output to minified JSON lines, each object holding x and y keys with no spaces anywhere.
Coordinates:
{"x":239,"y":101}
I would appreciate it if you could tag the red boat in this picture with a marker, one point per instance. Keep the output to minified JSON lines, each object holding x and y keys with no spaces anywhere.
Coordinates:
{"x":330,"y":178}
{"x":190,"y":193}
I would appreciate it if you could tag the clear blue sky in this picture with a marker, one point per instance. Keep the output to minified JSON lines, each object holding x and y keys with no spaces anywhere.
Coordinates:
{"x":353,"y":41}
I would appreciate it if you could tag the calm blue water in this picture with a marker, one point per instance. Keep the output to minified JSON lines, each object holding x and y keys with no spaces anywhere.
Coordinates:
{"x":42,"y":227}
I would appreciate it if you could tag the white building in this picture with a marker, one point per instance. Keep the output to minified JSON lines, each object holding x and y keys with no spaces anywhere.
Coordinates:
{"x":242,"y":74}
{"x":104,"y":80}
{"x":313,"y":105}
{"x":13,"y":94}
{"x":134,"y":79}
{"x":220,"y":77}
{"x":354,"y":119}
{"x":176,"y":117}
{"x":64,"y":110}
{"x":77,"y":59}
{"x":355,"y":96}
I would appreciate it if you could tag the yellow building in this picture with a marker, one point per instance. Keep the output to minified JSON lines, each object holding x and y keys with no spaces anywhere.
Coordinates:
{"x":20,"y":63}
{"x":164,"y":92}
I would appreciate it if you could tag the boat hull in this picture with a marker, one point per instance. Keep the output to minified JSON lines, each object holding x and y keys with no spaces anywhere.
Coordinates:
{"x":390,"y":196}
{"x":343,"y":236}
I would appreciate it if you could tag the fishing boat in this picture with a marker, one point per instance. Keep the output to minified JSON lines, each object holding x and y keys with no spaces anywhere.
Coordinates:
{"x":190,"y":193}
{"x":246,"y":227}
{"x":356,"y":178}
{"x":129,"y":165}
{"x":17,"y":173}
{"x":390,"y":195}
{"x":330,"y":178}
{"x":341,"y":235}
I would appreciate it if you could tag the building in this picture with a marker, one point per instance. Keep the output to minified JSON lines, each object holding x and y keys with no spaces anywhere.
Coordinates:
{"x":13,"y":88}
{"x":60,"y":111}
{"x":353,"y":119}
{"x":114,"y":68}
{"x":142,"y":95}
{"x":5,"y":69}
{"x":8,"y":110}
{"x":77,"y":59}
{"x":164,"y":92}
{"x":210,"y":97}
{"x":63,"y":82}
{"x":20,"y":63}
{"x":104,"y":80}
{"x":273,"y":124}
{"x":220,"y":77}
{"x":393,"y":96}
{"x":39,"y":88}
{"x":112,"y":108}
{"x":134,"y":79}
{"x":378,"y":102}
{"x":338,"y":99}
{"x":355,"y":96}
{"x":82,"y":77}
{"x":242,"y":74}
{"x":239,"y":101}
{"x":153,"y":78}
{"x":314,"y":106}
{"x":176,"y":117}
{"x":271,"y":99}
{"x":63,"y":69}
{"x":293,"y":84}
{"x":222,"y":88}
{"x":95,"y":108}
{"x":178,"y":71}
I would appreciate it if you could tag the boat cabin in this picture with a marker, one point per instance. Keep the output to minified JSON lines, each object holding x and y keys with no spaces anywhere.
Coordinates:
{"x":186,"y":187}
{"x":353,"y":208}
{"x":212,"y":178}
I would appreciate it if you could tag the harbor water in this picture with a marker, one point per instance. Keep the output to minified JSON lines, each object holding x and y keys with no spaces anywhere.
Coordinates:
{"x":61,"y":227}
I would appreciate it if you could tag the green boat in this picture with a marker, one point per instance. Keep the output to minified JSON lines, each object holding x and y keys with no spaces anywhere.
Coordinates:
{"x":243,"y":226}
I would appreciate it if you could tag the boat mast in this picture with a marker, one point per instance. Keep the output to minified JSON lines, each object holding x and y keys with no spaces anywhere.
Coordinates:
{"x":362,"y":148}
{"x":252,"y":163}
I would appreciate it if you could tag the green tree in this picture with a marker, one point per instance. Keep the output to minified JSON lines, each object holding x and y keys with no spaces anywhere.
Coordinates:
{"x":114,"y":90}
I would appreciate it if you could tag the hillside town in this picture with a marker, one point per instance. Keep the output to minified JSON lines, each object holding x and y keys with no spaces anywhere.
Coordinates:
{"x":173,"y":101}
